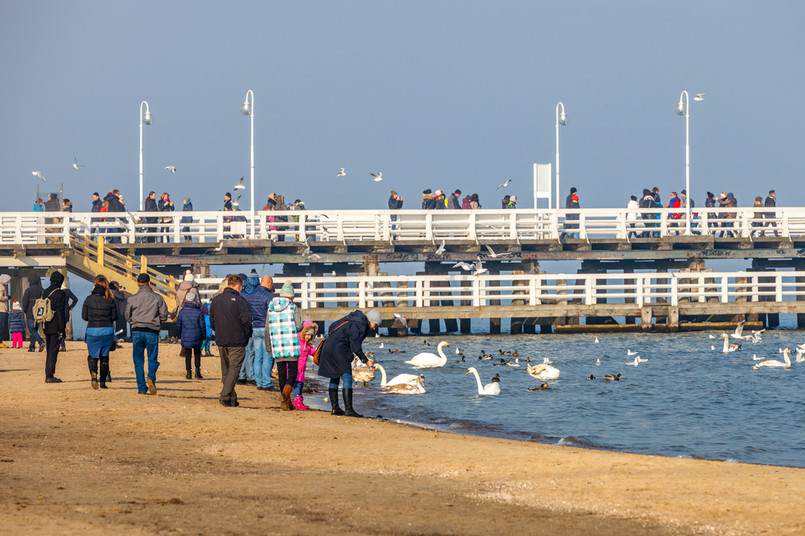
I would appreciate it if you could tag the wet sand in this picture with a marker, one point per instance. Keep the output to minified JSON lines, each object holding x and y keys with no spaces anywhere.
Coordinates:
{"x":78,"y":461}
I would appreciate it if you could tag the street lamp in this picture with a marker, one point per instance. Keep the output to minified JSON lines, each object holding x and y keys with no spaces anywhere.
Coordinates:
{"x":147,"y":120}
{"x":683,"y":108}
{"x":248,"y":109}
{"x":561,"y":119}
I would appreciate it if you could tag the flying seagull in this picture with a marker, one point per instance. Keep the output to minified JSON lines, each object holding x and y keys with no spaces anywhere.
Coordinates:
{"x":699,"y":97}
{"x":504,"y":184}
{"x":237,"y":200}
{"x":38,"y":174}
{"x":479,"y":268}
{"x":440,"y":249}
{"x":76,"y":165}
{"x":464,"y":266}
{"x":402,"y":320}
{"x":172,"y":169}
{"x":377,"y":177}
{"x":239,"y":185}
{"x":494,"y":255}
{"x":342,"y":173}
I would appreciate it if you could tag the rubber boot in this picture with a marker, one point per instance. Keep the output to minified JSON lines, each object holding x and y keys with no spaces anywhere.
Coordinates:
{"x":297,"y":403}
{"x":334,"y":402}
{"x":350,"y":412}
{"x":286,"y":398}
{"x":93,"y":371}
{"x":198,"y":374}
{"x":104,"y":374}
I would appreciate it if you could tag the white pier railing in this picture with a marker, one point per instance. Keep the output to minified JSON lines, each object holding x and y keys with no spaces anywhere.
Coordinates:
{"x":399,"y":226}
{"x":641,"y":289}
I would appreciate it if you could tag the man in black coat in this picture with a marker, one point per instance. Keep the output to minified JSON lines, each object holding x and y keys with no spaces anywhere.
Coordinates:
{"x":344,"y":340}
{"x":55,"y":328}
{"x":231,"y":320}
{"x":150,"y":205}
{"x":31,"y":294}
{"x":771,"y":201}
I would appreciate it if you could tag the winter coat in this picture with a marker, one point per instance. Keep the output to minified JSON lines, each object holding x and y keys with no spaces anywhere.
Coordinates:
{"x":466,"y":204}
{"x":96,"y":205}
{"x":99,"y":311}
{"x":58,"y":303}
{"x":165,"y":205}
{"x":631,"y":207}
{"x":395,"y":204}
{"x":230,"y":319}
{"x":258,"y":302}
{"x":428,"y":201}
{"x":647,"y":201}
{"x":572,"y":201}
{"x":439,"y":202}
{"x":282,"y":329}
{"x":181,"y":292}
{"x":114,"y":204}
{"x":455,"y":202}
{"x":16,"y":322}
{"x":3,"y":299}
{"x":305,"y":349}
{"x":146,"y":310}
{"x":675,"y":202}
{"x":341,"y":343}
{"x":191,"y":327}
{"x":31,"y":294}
{"x":187,"y":207}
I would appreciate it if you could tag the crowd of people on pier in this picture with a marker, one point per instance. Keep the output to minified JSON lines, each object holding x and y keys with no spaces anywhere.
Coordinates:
{"x":254,"y":327}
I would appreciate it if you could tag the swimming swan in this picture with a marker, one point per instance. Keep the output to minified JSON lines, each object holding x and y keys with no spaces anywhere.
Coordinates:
{"x":488,"y":389}
{"x":401,"y":379}
{"x":417,"y":388}
{"x":543,"y":372}
{"x":728,"y":348}
{"x":775,"y":363}
{"x":429,"y":360}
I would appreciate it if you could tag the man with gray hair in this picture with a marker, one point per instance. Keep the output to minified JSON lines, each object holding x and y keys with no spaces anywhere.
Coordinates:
{"x":231,"y":320}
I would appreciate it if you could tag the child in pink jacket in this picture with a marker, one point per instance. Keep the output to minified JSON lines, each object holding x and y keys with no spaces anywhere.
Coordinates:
{"x":305,"y":338}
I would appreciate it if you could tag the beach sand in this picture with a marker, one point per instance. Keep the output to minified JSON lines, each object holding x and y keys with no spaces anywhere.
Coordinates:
{"x":78,"y":461}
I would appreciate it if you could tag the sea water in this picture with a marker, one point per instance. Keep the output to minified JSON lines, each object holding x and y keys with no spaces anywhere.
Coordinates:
{"x":686,"y":401}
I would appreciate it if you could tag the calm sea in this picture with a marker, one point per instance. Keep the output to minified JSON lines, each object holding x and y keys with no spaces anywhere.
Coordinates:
{"x":686,"y":401}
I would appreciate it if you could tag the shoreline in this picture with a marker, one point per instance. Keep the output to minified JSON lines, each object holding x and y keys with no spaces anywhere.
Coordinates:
{"x":82,"y":461}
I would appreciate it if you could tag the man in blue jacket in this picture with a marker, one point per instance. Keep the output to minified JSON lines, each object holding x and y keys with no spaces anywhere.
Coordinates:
{"x":258,"y":301}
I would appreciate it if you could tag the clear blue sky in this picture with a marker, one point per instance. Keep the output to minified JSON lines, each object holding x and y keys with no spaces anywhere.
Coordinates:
{"x":435,"y":94}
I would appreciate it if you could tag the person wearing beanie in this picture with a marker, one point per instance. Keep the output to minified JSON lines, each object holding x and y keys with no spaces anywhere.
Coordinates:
{"x":187,"y":285}
{"x":345,"y":339}
{"x":572,"y":202}
{"x":16,"y":324}
{"x":54,"y":329}
{"x":100,"y":313}
{"x":5,"y":279}
{"x":395,"y":201}
{"x":283,"y":323}
{"x":191,"y":328}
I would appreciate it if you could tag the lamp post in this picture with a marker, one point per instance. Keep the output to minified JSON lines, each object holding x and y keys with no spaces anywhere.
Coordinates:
{"x":248,"y":109}
{"x":147,"y":120}
{"x":683,"y":109}
{"x":561,"y":119}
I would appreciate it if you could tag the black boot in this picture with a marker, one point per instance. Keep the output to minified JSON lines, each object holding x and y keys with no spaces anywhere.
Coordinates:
{"x":350,"y":412}
{"x":334,"y":402}
{"x":93,"y":371}
{"x":198,"y":374}
{"x":104,"y":373}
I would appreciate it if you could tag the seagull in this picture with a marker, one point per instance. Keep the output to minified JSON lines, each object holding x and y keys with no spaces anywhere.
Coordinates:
{"x":598,"y":362}
{"x":479,"y":268}
{"x":596,"y":340}
{"x":377,"y":177}
{"x":494,"y":255}
{"x":440,"y":249}
{"x":76,"y":165}
{"x":636,"y":361}
{"x":699,"y":97}
{"x":629,"y":352}
{"x":341,"y":173}
{"x":38,"y":174}
{"x":307,"y":249}
{"x":738,"y":334}
{"x":220,"y":246}
{"x":172,"y":169}
{"x":239,"y":185}
{"x":402,"y":320}
{"x":464,"y":266}
{"x":237,"y":200}
{"x":504,"y":184}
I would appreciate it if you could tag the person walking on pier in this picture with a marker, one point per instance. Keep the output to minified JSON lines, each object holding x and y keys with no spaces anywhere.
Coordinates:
{"x":455,"y":200}
{"x":232,"y":322}
{"x":145,"y":311}
{"x":631,"y":215}
{"x":572,"y":202}
{"x":712,"y":216}
{"x":263,"y":360}
{"x":100,"y":313}
{"x":187,"y":206}
{"x":165,"y":205}
{"x":70,"y":301}
{"x":757,"y":217}
{"x":55,"y":327}
{"x":283,"y":324}
{"x":345,"y":339}
{"x":97,"y":203}
{"x":29,"y":297}
{"x":771,"y":201}
{"x":427,"y":199}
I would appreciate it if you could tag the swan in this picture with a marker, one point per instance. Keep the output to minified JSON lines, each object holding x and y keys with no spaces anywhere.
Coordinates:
{"x":543,"y":372}
{"x":488,"y":389}
{"x":408,"y":379}
{"x":417,"y":388}
{"x":775,"y":363}
{"x":728,"y":348}
{"x":800,"y":355}
{"x":429,"y":360}
{"x":361,"y":373}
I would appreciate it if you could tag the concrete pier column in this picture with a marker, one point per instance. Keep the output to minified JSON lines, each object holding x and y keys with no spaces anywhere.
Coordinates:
{"x":494,"y":323}
{"x":673,"y":319}
{"x":464,"y":323}
{"x":799,"y":266}
{"x":645,"y":319}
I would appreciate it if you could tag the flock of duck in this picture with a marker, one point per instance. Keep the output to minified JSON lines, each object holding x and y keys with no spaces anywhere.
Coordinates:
{"x":756,"y":338}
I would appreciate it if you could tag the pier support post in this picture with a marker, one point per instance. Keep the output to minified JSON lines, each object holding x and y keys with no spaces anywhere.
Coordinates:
{"x":645,"y":319}
{"x":799,"y":266}
{"x":465,"y":322}
{"x":494,"y":323}
{"x":673,"y":319}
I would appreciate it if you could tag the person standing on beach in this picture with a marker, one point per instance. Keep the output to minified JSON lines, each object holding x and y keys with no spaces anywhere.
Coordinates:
{"x":263,"y":361}
{"x":191,"y":328}
{"x":305,"y":350}
{"x":145,"y":311}
{"x":232,"y":322}
{"x":4,"y":280}
{"x":55,"y":327}
{"x":100,"y":313}
{"x":283,"y":324}
{"x":29,"y":297}
{"x":345,"y":339}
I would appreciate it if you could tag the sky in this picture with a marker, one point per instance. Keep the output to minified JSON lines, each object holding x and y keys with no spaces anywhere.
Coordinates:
{"x":435,"y":94}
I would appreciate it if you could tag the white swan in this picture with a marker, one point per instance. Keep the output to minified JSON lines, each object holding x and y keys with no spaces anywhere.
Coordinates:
{"x":543,"y":372}
{"x":417,"y":388}
{"x":401,"y":379}
{"x":429,"y":360}
{"x":728,"y":348}
{"x":488,"y":389}
{"x":775,"y":363}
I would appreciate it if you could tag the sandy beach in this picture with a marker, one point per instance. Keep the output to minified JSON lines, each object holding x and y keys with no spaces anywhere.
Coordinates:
{"x":78,"y":461}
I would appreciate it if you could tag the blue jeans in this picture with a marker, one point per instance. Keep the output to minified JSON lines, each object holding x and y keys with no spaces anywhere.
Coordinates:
{"x":297,"y":388}
{"x":33,"y":331}
{"x":247,"y":368}
{"x":143,"y":341}
{"x":263,"y":360}
{"x":347,"y":377}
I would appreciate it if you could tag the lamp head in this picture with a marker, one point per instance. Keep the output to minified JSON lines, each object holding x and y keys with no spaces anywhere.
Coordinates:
{"x":563,"y":118}
{"x":680,"y":108}
{"x":147,"y":118}
{"x":247,"y":109}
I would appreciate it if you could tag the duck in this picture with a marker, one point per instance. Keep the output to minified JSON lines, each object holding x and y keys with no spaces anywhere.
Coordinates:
{"x":417,"y":388}
{"x":459,"y":351}
{"x":409,"y":379}
{"x":729,"y":348}
{"x":543,"y":372}
{"x":613,"y":377}
{"x":488,"y":389}
{"x":462,"y":360}
{"x":515,"y":354}
{"x":775,"y":363}
{"x":425,"y":343}
{"x":590,"y":377}
{"x":515,"y":363}
{"x":543,"y":387}
{"x":429,"y":360}
{"x":484,"y":356}
{"x":504,"y":352}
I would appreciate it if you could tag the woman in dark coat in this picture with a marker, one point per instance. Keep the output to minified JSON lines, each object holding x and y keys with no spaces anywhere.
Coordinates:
{"x":191,"y":328}
{"x":100,"y":313}
{"x":335,"y":362}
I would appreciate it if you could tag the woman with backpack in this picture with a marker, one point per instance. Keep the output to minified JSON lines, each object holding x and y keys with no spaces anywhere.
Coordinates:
{"x":100,"y":313}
